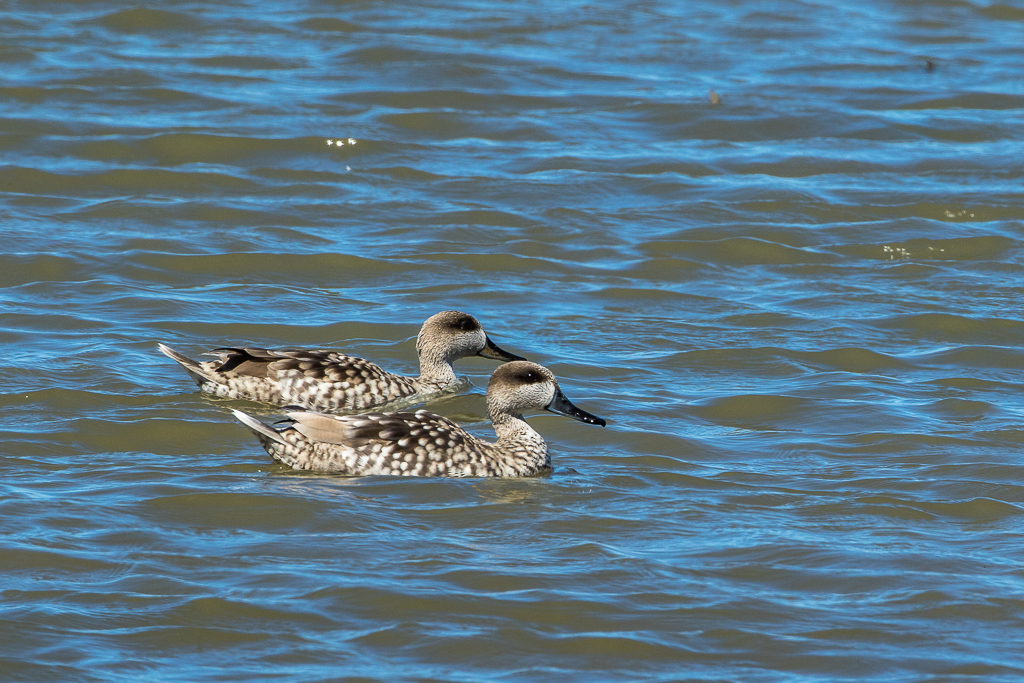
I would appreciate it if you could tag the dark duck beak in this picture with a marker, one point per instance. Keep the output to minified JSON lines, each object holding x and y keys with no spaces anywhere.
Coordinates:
{"x":494,"y":352}
{"x":563,"y":406}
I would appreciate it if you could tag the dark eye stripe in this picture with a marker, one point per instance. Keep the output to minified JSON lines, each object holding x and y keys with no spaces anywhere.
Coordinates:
{"x":464,"y":325}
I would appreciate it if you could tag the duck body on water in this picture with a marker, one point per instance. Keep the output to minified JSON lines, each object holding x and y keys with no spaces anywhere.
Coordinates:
{"x":329,"y":381}
{"x":425,"y":444}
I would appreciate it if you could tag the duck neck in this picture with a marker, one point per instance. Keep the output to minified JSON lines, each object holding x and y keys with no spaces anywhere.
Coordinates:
{"x":436,"y":371}
{"x":522,"y":450}
{"x":513,"y":427}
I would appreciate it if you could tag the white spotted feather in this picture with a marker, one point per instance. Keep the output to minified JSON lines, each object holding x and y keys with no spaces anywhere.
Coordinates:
{"x":330,"y":381}
{"x":422,"y":443}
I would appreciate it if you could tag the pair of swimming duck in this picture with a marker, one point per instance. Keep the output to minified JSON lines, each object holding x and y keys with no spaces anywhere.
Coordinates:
{"x":400,"y":443}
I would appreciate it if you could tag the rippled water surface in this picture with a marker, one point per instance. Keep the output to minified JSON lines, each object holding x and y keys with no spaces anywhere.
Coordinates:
{"x":776,"y":244}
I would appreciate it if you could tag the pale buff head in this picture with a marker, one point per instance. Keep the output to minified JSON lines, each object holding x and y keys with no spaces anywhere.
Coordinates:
{"x":521,"y":385}
{"x":450,"y":335}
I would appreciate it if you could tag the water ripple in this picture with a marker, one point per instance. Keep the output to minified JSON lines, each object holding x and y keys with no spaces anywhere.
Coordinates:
{"x":777,"y":247}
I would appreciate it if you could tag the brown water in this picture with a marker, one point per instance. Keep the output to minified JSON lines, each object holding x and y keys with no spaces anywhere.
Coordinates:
{"x":799,"y":308}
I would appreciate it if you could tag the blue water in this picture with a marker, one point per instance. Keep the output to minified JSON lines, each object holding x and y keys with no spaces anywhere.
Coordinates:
{"x":798,"y":308}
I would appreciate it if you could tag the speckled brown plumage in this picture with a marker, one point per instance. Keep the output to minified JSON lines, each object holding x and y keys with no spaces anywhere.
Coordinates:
{"x":330,"y":381}
{"x":424,"y":444}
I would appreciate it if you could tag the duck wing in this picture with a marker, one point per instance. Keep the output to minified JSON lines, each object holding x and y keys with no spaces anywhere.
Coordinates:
{"x":318,"y":364}
{"x":406,"y":430}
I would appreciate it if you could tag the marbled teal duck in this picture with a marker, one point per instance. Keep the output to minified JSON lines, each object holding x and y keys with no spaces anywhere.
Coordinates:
{"x":421,"y":443}
{"x":329,"y":381}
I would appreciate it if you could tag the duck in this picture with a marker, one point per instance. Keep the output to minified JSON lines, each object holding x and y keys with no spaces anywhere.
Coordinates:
{"x":422,"y":444}
{"x":329,"y":381}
